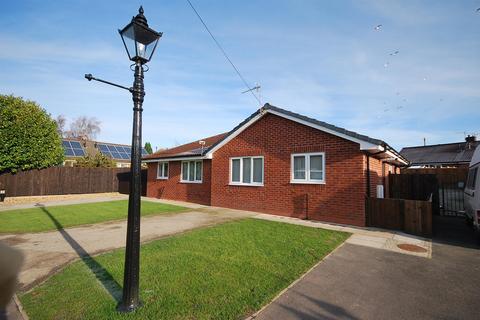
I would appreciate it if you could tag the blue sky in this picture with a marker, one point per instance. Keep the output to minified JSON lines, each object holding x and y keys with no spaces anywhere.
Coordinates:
{"x":319,"y":58}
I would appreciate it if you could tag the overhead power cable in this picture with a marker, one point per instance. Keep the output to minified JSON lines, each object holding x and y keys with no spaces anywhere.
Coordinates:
{"x":224,"y":53}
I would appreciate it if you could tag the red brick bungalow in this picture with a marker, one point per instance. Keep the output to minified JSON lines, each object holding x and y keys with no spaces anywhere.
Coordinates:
{"x":278,"y":162}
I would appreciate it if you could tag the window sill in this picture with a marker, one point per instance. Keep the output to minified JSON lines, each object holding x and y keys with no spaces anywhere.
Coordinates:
{"x":245,"y":184}
{"x":195,"y":182}
{"x":306,"y":182}
{"x":162,"y":178}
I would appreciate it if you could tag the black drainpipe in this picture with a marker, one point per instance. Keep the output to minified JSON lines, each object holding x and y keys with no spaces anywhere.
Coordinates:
{"x":368,"y":167}
{"x":368,"y":176}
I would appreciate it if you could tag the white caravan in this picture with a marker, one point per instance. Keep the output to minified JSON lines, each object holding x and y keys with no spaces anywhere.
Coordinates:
{"x":472,"y":191}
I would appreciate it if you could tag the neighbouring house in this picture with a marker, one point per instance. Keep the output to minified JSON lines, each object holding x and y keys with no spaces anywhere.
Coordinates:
{"x":278,"y":162}
{"x":448,"y":155}
{"x":77,"y":148}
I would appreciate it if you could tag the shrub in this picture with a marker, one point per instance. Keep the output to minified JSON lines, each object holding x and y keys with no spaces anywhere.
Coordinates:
{"x":96,"y":161}
{"x":28,"y":136}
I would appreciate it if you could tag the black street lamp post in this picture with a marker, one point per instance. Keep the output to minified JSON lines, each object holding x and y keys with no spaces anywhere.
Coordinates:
{"x":140,"y":42}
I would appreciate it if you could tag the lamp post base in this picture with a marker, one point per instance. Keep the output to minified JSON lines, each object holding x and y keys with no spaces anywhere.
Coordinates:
{"x":128,"y":308}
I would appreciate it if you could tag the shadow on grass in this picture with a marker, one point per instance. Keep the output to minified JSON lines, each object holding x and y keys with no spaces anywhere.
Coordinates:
{"x":102,"y":275}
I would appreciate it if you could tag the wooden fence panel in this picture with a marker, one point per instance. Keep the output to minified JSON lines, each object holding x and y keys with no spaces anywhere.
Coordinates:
{"x":67,"y":180}
{"x":410,"y":216}
{"x":412,"y":186}
{"x":459,"y":174}
{"x":418,"y":217}
{"x":385,"y":214}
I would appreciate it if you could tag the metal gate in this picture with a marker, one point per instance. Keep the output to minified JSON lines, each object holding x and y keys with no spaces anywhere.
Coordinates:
{"x":450,"y":196}
{"x":450,"y":183}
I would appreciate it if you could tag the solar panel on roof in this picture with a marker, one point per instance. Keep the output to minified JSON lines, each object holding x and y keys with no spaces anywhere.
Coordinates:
{"x":79,"y":152}
{"x":117,"y":152}
{"x":114,"y":151}
{"x":75,"y":144}
{"x":73,"y":148}
{"x":103,"y":147}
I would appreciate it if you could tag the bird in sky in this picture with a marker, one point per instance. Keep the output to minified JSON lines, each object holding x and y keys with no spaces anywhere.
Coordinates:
{"x":478,"y":10}
{"x":394,"y":53}
{"x":379,"y":27}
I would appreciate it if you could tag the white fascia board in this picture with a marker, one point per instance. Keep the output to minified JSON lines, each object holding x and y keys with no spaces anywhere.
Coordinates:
{"x":397,"y":158}
{"x":364,"y":145}
{"x":209,"y":155}
{"x":393,"y":157}
{"x":174,"y":159}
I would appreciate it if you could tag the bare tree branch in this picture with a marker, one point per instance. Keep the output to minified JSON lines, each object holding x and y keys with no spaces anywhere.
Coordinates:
{"x":84,"y":127}
{"x":61,"y":121}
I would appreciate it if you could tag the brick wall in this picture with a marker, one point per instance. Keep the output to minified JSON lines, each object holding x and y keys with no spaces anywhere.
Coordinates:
{"x":173,"y":189}
{"x":339,"y":200}
{"x":379,"y":172}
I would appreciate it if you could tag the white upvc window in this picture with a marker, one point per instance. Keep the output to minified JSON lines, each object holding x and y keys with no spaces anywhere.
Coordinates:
{"x":246,"y":171}
{"x":192,"y":171}
{"x":308,"y":168}
{"x":162,"y":170}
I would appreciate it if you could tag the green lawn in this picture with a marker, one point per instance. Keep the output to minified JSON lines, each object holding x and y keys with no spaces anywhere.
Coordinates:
{"x":42,"y":219}
{"x":223,"y":272}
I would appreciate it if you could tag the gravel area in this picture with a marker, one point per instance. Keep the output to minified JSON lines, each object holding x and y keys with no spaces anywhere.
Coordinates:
{"x":13,"y":201}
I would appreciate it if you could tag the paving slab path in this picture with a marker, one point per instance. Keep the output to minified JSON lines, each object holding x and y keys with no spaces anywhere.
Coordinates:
{"x":47,"y":252}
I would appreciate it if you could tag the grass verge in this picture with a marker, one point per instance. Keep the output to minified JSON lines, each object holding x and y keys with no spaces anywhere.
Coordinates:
{"x":223,"y":272}
{"x":38,"y":219}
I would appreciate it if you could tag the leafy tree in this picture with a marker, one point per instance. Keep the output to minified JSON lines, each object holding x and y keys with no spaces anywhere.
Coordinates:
{"x":28,"y":136}
{"x":148,"y":147}
{"x":98,"y":160}
{"x":84,"y":127}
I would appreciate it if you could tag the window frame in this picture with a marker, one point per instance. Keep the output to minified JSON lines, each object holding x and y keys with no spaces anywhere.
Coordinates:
{"x":161,"y":176}
{"x":307,"y":179}
{"x":472,"y":178}
{"x":194,"y":171}
{"x":251,"y":183}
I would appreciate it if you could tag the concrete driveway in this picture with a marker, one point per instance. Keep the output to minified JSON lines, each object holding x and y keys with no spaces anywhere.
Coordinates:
{"x":359,"y":282}
{"x":47,"y":252}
